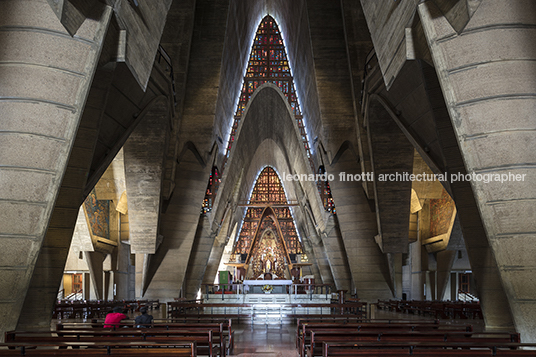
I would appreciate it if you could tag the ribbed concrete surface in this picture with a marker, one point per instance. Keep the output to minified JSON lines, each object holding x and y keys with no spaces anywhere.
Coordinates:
{"x":490,"y":92}
{"x":46,"y":76}
{"x":369,"y":267}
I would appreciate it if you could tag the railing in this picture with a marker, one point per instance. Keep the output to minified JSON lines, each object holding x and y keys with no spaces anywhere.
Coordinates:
{"x":291,"y":289}
{"x":466,"y":296}
{"x":85,"y":309}
{"x":77,"y":295}
{"x":162,"y":55}
{"x":178,"y":310}
{"x":61,"y":294}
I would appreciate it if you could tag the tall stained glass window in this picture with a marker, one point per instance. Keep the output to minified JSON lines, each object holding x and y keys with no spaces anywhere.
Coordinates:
{"x":268,"y":191}
{"x":268,"y":63}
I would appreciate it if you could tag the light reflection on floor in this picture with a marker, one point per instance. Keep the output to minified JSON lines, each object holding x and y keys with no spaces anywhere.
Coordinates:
{"x":265,"y":340}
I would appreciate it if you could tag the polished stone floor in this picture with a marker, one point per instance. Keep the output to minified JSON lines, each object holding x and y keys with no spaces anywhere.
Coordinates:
{"x":265,"y":340}
{"x":280,"y":340}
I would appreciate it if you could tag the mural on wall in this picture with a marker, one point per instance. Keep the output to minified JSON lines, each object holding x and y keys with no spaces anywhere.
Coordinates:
{"x":441,"y":210}
{"x":98,"y":215}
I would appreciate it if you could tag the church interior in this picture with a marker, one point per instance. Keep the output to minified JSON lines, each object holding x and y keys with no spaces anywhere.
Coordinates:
{"x":371,"y":153}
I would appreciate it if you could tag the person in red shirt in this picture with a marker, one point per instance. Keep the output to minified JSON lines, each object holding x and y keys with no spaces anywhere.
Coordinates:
{"x":113,"y":319}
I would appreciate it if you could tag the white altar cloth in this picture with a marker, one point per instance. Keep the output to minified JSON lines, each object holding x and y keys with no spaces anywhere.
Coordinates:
{"x":247,"y":283}
{"x":267,"y":282}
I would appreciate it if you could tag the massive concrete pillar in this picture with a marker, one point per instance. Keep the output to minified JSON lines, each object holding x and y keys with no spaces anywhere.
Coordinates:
{"x":50,"y":264}
{"x":46,"y":75}
{"x":199,"y":257}
{"x":335,"y":252}
{"x":95,"y":262}
{"x":416,"y":287}
{"x":368,"y":265}
{"x":322,"y":262}
{"x":181,"y":217}
{"x":167,"y":267}
{"x":144,"y":154}
{"x":391,"y":158}
{"x":486,"y":75}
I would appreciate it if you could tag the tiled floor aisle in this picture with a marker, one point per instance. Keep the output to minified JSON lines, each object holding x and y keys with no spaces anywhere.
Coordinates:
{"x":279,"y":341}
{"x":265,"y":341}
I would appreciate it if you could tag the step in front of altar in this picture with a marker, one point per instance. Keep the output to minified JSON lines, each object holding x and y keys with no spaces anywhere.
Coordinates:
{"x":267,"y":299}
{"x":269,"y":308}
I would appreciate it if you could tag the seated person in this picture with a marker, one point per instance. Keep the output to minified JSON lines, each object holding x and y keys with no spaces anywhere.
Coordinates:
{"x":143,"y":320}
{"x":113,"y":318}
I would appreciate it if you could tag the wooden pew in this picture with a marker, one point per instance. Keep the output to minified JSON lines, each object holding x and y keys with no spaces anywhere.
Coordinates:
{"x":222,"y":330}
{"x":444,"y":349}
{"x":400,"y":336}
{"x":115,"y":348}
{"x":304,"y":327}
{"x":203,"y":338}
{"x":437,"y":309}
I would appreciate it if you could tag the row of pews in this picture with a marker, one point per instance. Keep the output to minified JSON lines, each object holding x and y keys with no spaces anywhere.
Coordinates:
{"x":435,"y":309}
{"x":89,"y":309}
{"x":375,"y":338}
{"x":163,"y":338}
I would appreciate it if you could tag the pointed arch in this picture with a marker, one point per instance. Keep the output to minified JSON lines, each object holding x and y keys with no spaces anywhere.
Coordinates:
{"x":268,"y":63}
{"x":268,"y":209}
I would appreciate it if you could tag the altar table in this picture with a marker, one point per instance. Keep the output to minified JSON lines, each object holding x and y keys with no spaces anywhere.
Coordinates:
{"x":255,"y":286}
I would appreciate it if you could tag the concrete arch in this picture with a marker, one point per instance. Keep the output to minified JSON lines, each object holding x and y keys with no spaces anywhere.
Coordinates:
{"x":268,"y":135}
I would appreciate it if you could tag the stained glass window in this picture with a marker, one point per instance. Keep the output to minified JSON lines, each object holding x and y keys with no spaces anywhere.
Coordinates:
{"x":268,"y":63}
{"x":210,"y":192}
{"x":325,"y":192}
{"x":268,"y":191}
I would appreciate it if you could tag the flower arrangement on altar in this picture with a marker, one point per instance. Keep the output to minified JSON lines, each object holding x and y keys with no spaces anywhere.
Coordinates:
{"x":267,"y":288}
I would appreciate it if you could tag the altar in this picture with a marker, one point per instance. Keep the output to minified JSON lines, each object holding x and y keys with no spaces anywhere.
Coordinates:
{"x":255,"y":286}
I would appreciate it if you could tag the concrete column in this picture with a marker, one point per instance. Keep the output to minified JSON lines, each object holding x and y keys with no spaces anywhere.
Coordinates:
{"x":199,"y":257}
{"x":391,"y":155}
{"x":368,"y":265}
{"x":94,"y":262}
{"x":140,"y":260}
{"x":144,"y":154}
{"x":489,"y":92}
{"x":417,"y":281}
{"x":46,"y":75}
{"x":336,"y":256}
{"x":107,"y":285}
{"x":217,"y":252}
{"x":445,"y":259}
{"x":397,"y":265}
{"x":86,"y":293}
{"x":323,"y":265}
{"x":453,"y":286}
{"x":168,"y":265}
